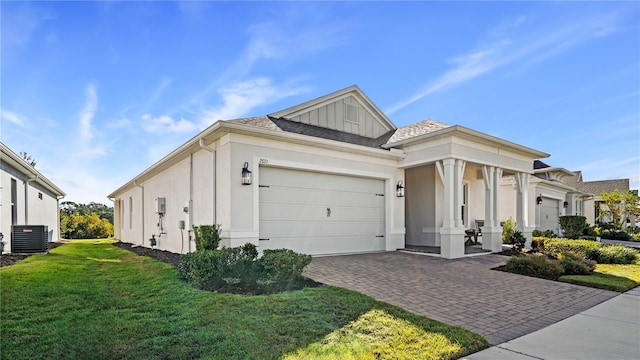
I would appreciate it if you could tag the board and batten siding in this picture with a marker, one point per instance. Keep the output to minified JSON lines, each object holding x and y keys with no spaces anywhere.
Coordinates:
{"x":332,"y":116}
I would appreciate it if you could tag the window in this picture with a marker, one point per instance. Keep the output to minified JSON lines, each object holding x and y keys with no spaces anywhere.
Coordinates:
{"x":351,"y":113}
{"x":130,"y":212}
{"x":465,"y":208}
{"x":121,"y":214}
{"x":14,"y":202}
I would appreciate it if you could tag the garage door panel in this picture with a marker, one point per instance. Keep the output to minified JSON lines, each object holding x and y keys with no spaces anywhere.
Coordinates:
{"x":294,"y":212}
{"x":294,"y":228}
{"x":313,"y":245}
{"x":280,"y":195}
{"x":314,"y":212}
{"x":310,"y":180}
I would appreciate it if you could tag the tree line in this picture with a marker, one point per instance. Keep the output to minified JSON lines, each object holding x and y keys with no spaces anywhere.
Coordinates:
{"x":85,"y":221}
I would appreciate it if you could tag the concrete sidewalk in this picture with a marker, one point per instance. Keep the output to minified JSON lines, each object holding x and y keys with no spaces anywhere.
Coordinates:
{"x":610,"y":330}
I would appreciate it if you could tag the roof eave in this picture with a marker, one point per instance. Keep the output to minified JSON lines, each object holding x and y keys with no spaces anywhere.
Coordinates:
{"x":452,"y":130}
{"x":28,"y":170}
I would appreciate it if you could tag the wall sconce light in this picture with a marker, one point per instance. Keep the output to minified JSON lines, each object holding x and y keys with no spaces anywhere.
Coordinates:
{"x":539,"y":199}
{"x":400,"y":189}
{"x":246,"y":174}
{"x":565,"y":204}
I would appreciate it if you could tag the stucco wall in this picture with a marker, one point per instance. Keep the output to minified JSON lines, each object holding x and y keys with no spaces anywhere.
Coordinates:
{"x":37,"y":212}
{"x":420,"y":206}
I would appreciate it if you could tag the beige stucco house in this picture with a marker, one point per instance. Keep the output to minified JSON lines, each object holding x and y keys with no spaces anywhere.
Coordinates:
{"x":333,"y":175}
{"x":28,"y":197}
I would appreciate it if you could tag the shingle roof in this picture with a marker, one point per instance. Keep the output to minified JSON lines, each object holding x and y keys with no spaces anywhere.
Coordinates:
{"x":596,"y":187}
{"x":417,"y":129}
{"x":267,"y":122}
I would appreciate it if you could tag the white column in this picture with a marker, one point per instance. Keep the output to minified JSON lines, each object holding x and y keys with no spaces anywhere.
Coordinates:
{"x":451,"y":236}
{"x":492,"y":231}
{"x":522,"y":207}
{"x":459,"y":174}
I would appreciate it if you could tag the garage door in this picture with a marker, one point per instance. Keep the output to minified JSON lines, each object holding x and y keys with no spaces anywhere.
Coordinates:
{"x":316,"y":213}
{"x":550,"y":215}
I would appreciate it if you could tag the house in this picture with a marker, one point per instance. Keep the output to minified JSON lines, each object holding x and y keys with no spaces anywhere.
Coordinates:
{"x":28,"y":197}
{"x":593,"y":205}
{"x":332,"y":175}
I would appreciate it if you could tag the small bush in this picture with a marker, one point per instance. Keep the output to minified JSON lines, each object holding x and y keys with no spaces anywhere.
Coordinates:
{"x":545,"y":233}
{"x":561,"y":246}
{"x":573,"y":225}
{"x":615,"y":235}
{"x":518,"y":240}
{"x":213,"y":269}
{"x":283,"y":264}
{"x":537,"y":243}
{"x":508,"y":228}
{"x":576,"y":265}
{"x":537,"y":266}
{"x":613,"y":254}
{"x":207,"y":237}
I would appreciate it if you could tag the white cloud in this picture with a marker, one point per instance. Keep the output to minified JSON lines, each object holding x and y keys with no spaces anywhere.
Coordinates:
{"x":166,"y":124}
{"x":504,"y":47}
{"x":12,"y":117}
{"x":87,"y":113}
{"x":239,"y":98}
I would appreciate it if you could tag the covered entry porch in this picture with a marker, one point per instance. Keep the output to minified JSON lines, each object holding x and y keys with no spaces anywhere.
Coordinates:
{"x":453,"y":190}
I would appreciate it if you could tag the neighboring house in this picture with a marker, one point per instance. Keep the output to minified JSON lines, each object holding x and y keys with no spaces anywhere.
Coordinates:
{"x":332,"y":175}
{"x":592,"y":206}
{"x":28,"y":197}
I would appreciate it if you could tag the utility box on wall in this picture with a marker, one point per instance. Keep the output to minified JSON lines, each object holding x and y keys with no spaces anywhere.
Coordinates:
{"x":29,"y":239}
{"x":161,"y":205}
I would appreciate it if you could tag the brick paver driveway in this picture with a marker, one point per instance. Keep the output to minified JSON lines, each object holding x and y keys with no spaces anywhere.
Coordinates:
{"x":464,"y":292}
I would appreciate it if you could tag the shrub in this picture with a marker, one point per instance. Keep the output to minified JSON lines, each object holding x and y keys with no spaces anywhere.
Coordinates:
{"x":283,"y":265}
{"x":613,"y":254}
{"x":213,"y":269}
{"x":537,"y":243}
{"x":207,"y":237}
{"x":518,"y":240}
{"x":576,"y":265}
{"x":614,"y":235}
{"x":545,"y":233}
{"x":573,"y":225}
{"x":578,"y":247}
{"x":508,"y":228}
{"x":538,"y":266}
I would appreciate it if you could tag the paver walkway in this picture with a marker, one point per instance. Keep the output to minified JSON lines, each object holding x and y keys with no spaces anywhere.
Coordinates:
{"x":464,"y":292}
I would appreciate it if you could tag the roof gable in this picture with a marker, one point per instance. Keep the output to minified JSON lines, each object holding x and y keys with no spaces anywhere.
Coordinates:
{"x":348,"y":110}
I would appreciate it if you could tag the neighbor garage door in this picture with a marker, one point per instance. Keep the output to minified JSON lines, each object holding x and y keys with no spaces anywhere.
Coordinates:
{"x":317,"y":213}
{"x":550,"y":215}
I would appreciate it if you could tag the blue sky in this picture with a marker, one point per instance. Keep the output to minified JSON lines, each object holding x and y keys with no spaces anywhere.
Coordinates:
{"x":96,"y":92}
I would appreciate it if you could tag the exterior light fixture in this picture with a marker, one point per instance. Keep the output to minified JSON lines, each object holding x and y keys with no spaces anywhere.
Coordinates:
{"x":539,"y":199}
{"x":400,"y":189}
{"x":565,"y":204}
{"x":153,"y":242}
{"x":246,"y":174}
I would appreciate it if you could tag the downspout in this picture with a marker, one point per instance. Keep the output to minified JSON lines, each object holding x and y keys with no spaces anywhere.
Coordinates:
{"x":26,"y":198}
{"x":213,"y":177}
{"x":135,"y":182}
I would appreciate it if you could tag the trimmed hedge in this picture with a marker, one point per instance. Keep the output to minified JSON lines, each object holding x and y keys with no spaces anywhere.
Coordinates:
{"x":615,"y":235}
{"x":537,"y":265}
{"x":238,"y":269}
{"x":561,"y":246}
{"x":613,"y":254}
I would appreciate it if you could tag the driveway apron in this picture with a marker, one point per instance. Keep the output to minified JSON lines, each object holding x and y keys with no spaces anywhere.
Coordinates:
{"x":463,"y":292}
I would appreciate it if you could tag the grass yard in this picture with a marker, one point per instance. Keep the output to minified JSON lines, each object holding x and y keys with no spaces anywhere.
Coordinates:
{"x":609,"y":277}
{"x":92,"y":300}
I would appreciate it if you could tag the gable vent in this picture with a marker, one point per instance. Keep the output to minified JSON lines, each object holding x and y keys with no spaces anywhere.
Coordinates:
{"x":351,"y":113}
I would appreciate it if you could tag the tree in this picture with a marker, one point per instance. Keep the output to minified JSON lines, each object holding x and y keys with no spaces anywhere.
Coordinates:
{"x":619,"y":205}
{"x":26,"y":157}
{"x":85,"y":221}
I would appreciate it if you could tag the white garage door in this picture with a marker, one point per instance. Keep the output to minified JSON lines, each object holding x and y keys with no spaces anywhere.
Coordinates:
{"x":550,"y":215}
{"x":316,"y":213}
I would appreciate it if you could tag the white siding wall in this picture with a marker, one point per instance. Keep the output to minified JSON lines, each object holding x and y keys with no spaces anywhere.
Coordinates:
{"x":38,"y":212}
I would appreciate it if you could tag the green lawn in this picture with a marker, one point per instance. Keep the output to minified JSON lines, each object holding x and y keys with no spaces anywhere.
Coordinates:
{"x":609,"y":277}
{"x":91,"y":300}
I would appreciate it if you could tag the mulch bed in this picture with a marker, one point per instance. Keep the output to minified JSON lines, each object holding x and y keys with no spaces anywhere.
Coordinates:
{"x":10,"y":259}
{"x":160,"y":255}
